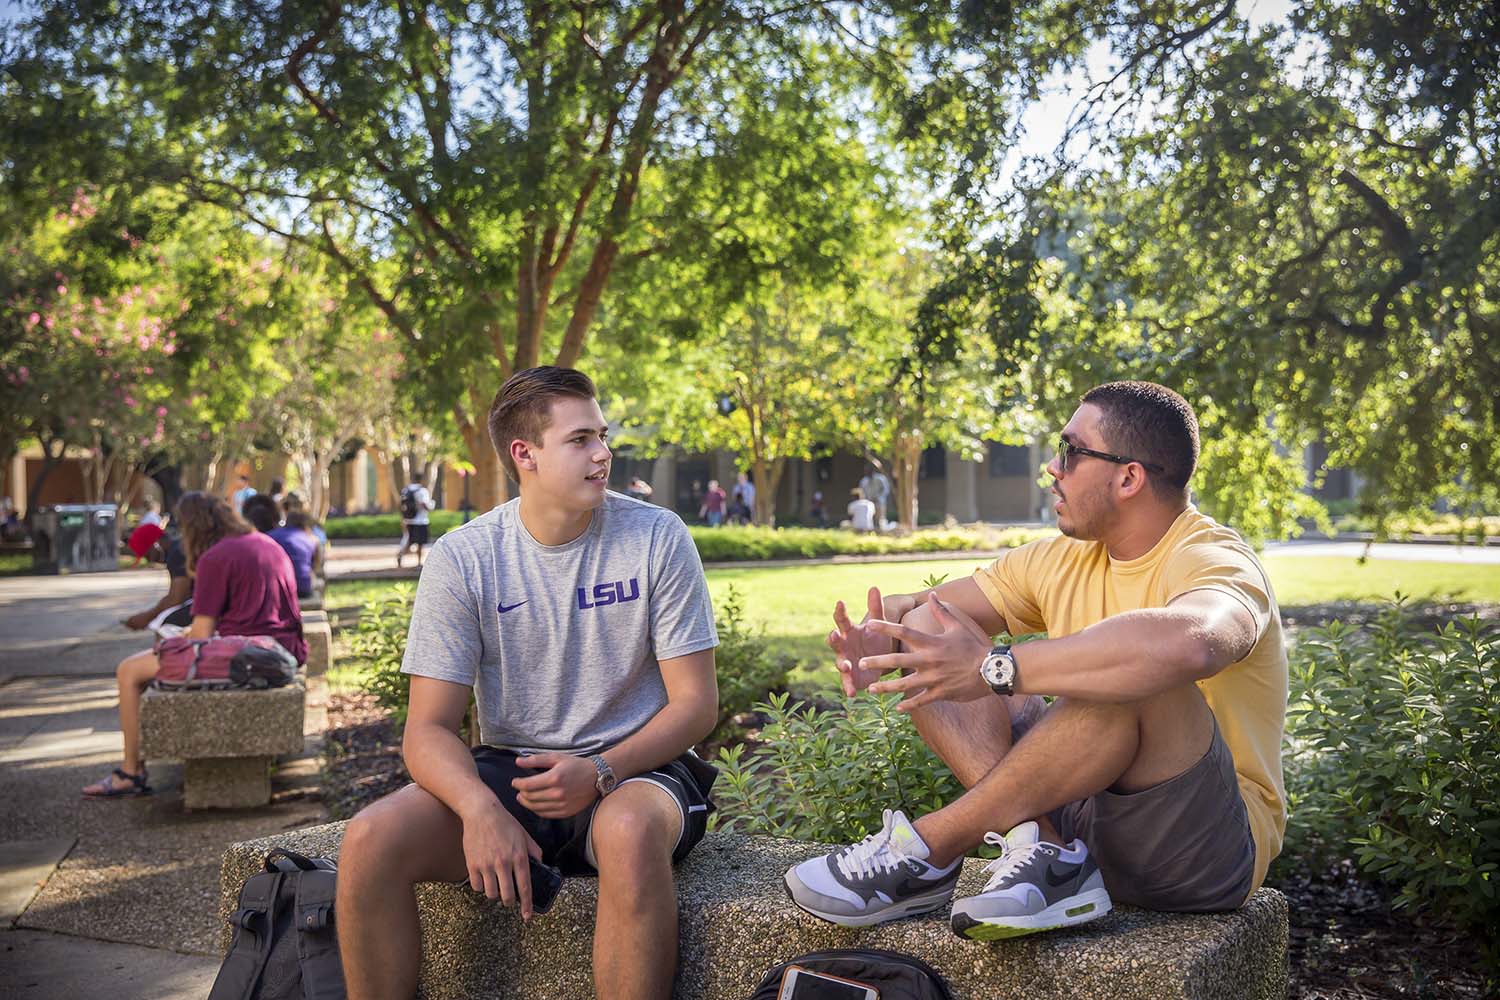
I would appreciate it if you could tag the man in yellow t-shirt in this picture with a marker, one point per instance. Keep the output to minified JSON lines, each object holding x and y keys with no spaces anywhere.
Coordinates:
{"x":1153,"y":776}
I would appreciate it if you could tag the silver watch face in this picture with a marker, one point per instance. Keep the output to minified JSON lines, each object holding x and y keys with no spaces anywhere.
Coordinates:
{"x":998,"y":670}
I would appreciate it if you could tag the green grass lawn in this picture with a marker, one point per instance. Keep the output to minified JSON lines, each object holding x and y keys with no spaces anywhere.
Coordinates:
{"x":795,"y":603}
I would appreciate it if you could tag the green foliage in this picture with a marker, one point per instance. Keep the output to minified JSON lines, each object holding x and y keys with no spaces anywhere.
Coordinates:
{"x":827,"y":774}
{"x":748,"y":669}
{"x":1394,"y":751}
{"x":387,"y":525}
{"x":1245,"y":481}
{"x":754,"y":543}
{"x":380,"y":641}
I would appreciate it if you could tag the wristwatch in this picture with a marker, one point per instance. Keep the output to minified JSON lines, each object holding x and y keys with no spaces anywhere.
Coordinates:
{"x":999,"y":670}
{"x":607,"y":780}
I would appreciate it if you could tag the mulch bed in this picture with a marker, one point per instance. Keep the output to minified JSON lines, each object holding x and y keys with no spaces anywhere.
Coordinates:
{"x":1347,"y":943}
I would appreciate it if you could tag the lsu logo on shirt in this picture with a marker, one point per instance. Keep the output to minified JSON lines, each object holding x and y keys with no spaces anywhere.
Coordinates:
{"x":608,"y":593}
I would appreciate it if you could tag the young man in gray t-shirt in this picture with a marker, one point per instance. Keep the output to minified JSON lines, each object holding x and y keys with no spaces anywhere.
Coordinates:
{"x":580,"y":620}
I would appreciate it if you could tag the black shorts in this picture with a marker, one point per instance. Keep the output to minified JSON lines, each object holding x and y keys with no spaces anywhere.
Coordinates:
{"x":564,"y":842}
{"x":416,"y":534}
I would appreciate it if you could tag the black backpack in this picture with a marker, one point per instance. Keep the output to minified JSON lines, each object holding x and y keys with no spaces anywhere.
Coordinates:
{"x":895,"y":976}
{"x":409,"y":503}
{"x":284,"y":946}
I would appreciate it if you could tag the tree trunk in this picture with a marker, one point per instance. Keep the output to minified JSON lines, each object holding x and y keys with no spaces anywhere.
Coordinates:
{"x":908,"y":460}
{"x":49,"y":462}
{"x":767,"y":486}
{"x":489,"y":486}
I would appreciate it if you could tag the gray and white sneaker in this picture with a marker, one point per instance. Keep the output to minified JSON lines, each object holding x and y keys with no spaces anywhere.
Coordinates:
{"x":883,"y":877}
{"x":1034,"y":886}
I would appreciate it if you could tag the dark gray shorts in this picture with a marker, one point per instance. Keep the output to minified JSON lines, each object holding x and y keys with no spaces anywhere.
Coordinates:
{"x":1183,"y":845}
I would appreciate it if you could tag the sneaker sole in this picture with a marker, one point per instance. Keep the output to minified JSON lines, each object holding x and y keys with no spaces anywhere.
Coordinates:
{"x":1078,"y":909}
{"x":913,"y":907}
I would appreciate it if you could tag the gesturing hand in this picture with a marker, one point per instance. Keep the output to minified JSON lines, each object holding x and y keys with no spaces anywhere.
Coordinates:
{"x":944,"y":665}
{"x":566,"y":786}
{"x":852,"y":643}
{"x":496,"y":848}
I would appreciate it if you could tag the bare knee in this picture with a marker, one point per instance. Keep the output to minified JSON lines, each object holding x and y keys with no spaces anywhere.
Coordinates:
{"x":404,"y":838}
{"x":633,"y":836}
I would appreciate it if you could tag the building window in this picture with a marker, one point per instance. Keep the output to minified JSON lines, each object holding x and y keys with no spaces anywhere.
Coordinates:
{"x":934,"y":463}
{"x":1010,"y":460}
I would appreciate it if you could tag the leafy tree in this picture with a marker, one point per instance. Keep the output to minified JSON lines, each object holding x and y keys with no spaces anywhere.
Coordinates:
{"x":480,"y":172}
{"x":1303,"y":246}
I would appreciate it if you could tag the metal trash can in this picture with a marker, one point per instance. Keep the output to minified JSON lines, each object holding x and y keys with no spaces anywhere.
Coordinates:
{"x":75,"y":538}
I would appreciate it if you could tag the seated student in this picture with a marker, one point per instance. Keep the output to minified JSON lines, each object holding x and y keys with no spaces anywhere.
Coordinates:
{"x":581,"y":621}
{"x":296,"y":538}
{"x":263,"y":513}
{"x":861,"y":511}
{"x":178,"y":600}
{"x":242,"y":585}
{"x":1153,"y":777}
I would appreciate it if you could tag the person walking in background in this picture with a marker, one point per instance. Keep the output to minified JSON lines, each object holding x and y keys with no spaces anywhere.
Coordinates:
{"x":712,"y":509}
{"x":818,"y":511}
{"x":415,"y":530}
{"x":245,"y":492}
{"x":743,"y":509}
{"x":877,"y":489}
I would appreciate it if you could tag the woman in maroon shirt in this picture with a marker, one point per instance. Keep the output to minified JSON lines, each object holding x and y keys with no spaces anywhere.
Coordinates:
{"x":243,"y":584}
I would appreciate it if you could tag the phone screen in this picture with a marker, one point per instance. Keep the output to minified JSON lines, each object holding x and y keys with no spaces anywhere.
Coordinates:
{"x":545,"y":883}
{"x":800,"y":984}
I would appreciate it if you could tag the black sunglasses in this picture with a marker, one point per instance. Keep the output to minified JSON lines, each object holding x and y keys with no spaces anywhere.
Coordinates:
{"x":1066,"y":450}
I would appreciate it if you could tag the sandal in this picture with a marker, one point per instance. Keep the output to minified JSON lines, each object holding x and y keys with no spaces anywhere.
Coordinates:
{"x":107,"y":789}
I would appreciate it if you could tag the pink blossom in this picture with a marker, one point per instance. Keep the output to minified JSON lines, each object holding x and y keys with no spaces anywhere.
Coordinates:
{"x":169,"y":349}
{"x":144,"y":343}
{"x":161,"y":411}
{"x":49,"y":322}
{"x":129,"y":400}
{"x":62,"y":289}
{"x":33,"y":319}
{"x":149,"y":370}
{"x":77,"y":333}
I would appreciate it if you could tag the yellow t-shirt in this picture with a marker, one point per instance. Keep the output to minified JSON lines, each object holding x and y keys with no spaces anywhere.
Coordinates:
{"x":1062,"y":585}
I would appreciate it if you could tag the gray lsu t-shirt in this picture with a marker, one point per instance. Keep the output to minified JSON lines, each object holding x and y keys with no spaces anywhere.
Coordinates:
{"x":561,"y":642}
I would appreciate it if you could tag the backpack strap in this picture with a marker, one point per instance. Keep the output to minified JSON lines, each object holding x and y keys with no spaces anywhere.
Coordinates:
{"x":317,"y":944}
{"x":251,"y":944}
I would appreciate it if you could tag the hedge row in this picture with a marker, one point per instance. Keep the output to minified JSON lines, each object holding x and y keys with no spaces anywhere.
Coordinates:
{"x":732,"y":544}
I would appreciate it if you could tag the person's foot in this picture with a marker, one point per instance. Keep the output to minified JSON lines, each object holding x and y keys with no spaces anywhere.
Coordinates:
{"x":1034,"y":886}
{"x":117,"y":783}
{"x":883,"y":877}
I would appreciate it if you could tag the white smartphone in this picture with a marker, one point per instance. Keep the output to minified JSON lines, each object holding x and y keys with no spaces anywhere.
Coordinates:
{"x":798,"y":983}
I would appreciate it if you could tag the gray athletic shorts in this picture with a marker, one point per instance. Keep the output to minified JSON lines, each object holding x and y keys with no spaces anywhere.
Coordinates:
{"x":1183,"y":845}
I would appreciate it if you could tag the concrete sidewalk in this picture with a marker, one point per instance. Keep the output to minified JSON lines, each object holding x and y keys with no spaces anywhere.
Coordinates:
{"x":122,"y":892}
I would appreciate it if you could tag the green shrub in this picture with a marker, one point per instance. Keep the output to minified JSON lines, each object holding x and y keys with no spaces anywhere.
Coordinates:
{"x":386,"y":525}
{"x":826,"y":775}
{"x":380,"y":642}
{"x":1394,"y":750}
{"x":748,"y":669}
{"x":736,"y":544}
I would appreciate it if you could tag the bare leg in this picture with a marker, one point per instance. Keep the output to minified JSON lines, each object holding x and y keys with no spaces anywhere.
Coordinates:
{"x":131,"y":676}
{"x":1077,"y":749}
{"x":635,"y":934}
{"x":407,"y":837}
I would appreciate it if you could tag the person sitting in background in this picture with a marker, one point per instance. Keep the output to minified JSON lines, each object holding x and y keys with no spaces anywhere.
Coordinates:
{"x":296,"y":538}
{"x":293,"y":501}
{"x":146,"y":534}
{"x":243,"y":584}
{"x":861,"y":511}
{"x":245,"y":492}
{"x":177,"y":602}
{"x":262,"y":512}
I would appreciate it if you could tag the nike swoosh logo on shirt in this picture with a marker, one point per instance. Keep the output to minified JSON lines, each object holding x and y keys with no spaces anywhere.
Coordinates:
{"x":513,"y":607}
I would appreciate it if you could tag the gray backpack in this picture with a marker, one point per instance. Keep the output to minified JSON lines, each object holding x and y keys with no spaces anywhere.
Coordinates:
{"x":284,"y":946}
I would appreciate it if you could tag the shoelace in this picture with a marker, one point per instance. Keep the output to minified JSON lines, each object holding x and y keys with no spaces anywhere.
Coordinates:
{"x":860,"y":861}
{"x":1010,"y":860}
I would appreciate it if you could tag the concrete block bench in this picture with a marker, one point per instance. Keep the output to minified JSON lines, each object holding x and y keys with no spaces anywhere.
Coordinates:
{"x":228,"y":739}
{"x":318,"y":635}
{"x":736,"y":922}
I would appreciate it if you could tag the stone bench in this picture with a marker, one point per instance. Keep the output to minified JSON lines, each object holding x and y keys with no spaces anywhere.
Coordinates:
{"x":736,"y":922}
{"x":318,"y":635}
{"x":228,"y":739}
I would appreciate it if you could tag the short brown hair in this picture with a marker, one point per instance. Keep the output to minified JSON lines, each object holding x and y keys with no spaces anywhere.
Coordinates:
{"x":1150,"y":423}
{"x":523,"y":406}
{"x":205,"y":519}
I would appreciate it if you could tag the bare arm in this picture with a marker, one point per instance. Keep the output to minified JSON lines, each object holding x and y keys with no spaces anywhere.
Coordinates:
{"x":495,"y":844}
{"x":567,"y":786}
{"x":202,"y":627}
{"x":1125,"y":657}
{"x":179,"y":590}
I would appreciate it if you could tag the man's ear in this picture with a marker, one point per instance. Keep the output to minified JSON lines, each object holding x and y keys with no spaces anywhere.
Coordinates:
{"x":521,"y":453}
{"x":1132,"y":482}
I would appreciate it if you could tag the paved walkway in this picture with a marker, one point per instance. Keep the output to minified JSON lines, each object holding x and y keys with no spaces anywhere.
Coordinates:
{"x":122,"y":892}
